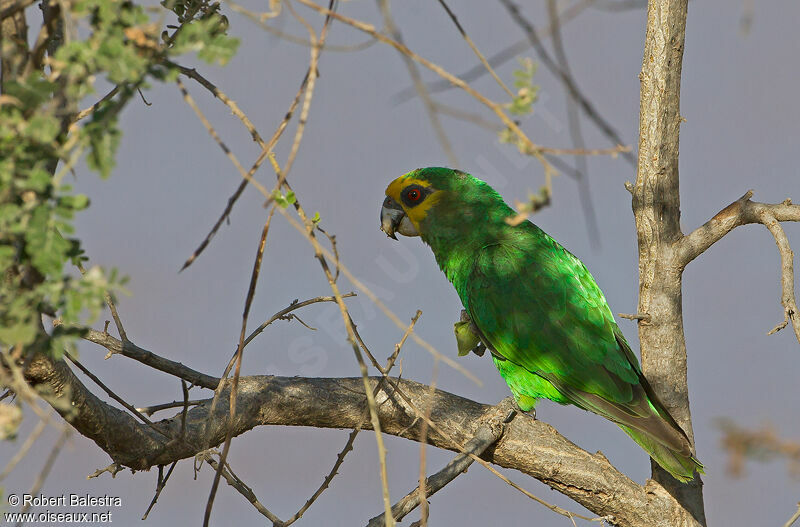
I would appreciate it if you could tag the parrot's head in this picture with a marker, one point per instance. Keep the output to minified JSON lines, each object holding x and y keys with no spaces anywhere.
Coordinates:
{"x":428,"y":198}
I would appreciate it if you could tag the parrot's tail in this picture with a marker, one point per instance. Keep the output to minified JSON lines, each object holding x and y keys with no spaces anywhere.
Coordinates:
{"x":680,"y":465}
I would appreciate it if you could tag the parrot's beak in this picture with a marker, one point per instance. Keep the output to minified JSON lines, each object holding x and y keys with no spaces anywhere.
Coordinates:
{"x":394,"y":219}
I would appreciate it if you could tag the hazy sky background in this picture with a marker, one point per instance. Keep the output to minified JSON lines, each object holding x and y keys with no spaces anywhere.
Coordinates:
{"x":739,"y":98}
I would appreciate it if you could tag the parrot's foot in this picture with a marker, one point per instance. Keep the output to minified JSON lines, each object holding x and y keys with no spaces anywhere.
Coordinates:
{"x":530,"y":413}
{"x":468,"y":336}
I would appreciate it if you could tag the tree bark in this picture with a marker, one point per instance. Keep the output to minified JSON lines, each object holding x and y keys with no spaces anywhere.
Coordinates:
{"x":656,"y":207}
{"x":530,"y":446}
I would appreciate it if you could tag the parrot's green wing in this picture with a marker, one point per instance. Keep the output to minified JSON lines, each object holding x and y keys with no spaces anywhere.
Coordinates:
{"x":538,"y":307}
{"x":535,"y":306}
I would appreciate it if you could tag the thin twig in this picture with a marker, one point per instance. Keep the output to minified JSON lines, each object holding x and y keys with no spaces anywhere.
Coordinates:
{"x":213,"y":133}
{"x":352,"y":436}
{"x":26,"y":446}
{"x":393,"y":356}
{"x":422,"y":491}
{"x":185,"y":411}
{"x":574,"y":126}
{"x":280,"y":315}
{"x":485,"y":437}
{"x":566,"y":79}
{"x":266,"y":148}
{"x":260,"y":20}
{"x":132,"y":351}
{"x":313,"y":73}
{"x":48,"y":465}
{"x":245,"y":491}
{"x":15,"y":8}
{"x":161,"y":482}
{"x":794,"y":517}
{"x":193,"y":74}
{"x":283,"y":314}
{"x":114,"y":396}
{"x":150,"y":410}
{"x":376,"y":425}
{"x":91,"y":109}
{"x":530,"y":147}
{"x":251,"y":291}
{"x":111,"y":307}
{"x":419,"y":86}
{"x":386,"y":311}
{"x":787,"y":274}
{"x":475,"y":49}
{"x":499,"y":58}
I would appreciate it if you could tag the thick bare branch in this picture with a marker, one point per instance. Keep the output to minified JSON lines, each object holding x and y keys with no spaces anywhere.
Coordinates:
{"x":531,"y":446}
{"x":656,"y":208}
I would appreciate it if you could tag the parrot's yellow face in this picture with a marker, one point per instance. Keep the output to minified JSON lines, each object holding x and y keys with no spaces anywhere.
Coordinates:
{"x":408,"y":200}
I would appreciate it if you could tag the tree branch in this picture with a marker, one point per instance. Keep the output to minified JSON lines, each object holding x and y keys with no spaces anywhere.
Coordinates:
{"x":530,"y":446}
{"x":484,"y":438}
{"x":656,"y":208}
{"x":132,"y":351}
{"x":743,"y":212}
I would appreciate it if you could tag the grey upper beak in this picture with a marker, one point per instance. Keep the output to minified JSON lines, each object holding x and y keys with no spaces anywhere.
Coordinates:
{"x":391,"y":216}
{"x":394,"y":219}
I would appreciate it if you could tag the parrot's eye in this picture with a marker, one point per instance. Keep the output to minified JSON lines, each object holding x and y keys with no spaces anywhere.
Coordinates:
{"x":414,"y":195}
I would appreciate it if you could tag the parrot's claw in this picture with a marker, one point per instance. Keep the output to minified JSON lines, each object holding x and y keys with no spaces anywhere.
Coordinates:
{"x":530,"y":413}
{"x":510,"y":417}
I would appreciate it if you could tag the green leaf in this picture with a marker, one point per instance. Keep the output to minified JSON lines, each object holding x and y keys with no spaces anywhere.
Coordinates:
{"x":280,"y":199}
{"x":103,"y":141}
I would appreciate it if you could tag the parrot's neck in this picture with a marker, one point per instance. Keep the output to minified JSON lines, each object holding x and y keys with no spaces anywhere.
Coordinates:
{"x":457,"y":239}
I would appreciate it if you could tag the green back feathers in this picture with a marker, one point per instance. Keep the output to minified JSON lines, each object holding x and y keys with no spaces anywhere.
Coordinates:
{"x":542,"y":315}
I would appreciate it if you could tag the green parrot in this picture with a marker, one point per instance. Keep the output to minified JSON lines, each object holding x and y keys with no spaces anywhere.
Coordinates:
{"x":535,"y":307}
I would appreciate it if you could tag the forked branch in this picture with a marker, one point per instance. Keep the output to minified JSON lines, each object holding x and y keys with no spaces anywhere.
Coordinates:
{"x":743,"y":212}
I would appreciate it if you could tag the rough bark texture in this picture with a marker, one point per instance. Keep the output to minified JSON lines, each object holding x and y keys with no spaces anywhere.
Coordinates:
{"x":13,"y":41}
{"x":656,"y":207}
{"x":530,"y":446}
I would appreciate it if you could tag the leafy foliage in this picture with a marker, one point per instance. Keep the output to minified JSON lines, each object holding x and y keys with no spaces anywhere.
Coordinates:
{"x":522,"y":103}
{"x":527,"y":92}
{"x":41,"y":140}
